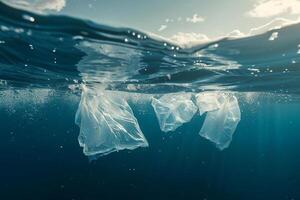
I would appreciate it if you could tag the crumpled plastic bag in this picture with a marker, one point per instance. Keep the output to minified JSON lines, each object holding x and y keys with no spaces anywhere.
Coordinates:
{"x":173,"y":110}
{"x":223,"y":116}
{"x":107,"y":123}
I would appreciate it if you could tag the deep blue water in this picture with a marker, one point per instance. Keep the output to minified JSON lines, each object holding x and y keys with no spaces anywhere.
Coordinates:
{"x":41,"y":158}
{"x":44,"y":62}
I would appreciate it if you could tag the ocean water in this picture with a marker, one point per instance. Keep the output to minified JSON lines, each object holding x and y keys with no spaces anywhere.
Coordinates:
{"x":46,"y":62}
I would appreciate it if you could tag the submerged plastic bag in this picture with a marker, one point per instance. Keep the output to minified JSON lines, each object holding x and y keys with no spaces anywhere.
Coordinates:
{"x":173,"y":110}
{"x":107,"y":124}
{"x":223,"y":116}
{"x":208,"y":101}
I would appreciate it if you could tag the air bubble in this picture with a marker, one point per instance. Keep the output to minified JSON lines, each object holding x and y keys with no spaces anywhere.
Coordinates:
{"x":273,"y":36}
{"x":28,"y":18}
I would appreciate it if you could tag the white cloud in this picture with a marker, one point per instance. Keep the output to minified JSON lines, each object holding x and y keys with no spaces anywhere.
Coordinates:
{"x":189,"y":39}
{"x":169,"y":20}
{"x":273,"y":24}
{"x":236,"y":34}
{"x":162,"y":27}
{"x":56,"y":5}
{"x":195,"y":19}
{"x":37,"y":5}
{"x":270,"y":8}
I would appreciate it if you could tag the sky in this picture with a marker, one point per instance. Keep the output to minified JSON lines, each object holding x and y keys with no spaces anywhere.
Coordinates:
{"x":181,"y":20}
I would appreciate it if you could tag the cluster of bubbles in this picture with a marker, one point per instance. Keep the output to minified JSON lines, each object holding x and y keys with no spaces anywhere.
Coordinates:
{"x":135,"y":35}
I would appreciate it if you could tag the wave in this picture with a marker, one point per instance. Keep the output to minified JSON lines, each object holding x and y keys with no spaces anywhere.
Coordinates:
{"x":58,"y":52}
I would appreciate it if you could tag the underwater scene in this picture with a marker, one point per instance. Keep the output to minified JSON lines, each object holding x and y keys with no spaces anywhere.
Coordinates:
{"x":90,"y":109}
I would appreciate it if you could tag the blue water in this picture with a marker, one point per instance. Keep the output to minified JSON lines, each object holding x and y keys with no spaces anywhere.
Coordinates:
{"x":44,"y":61}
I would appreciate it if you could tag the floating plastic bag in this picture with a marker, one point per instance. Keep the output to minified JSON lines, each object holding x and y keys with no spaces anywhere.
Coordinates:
{"x":173,"y":110}
{"x":223,"y":116}
{"x":208,"y":101}
{"x":107,"y":123}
